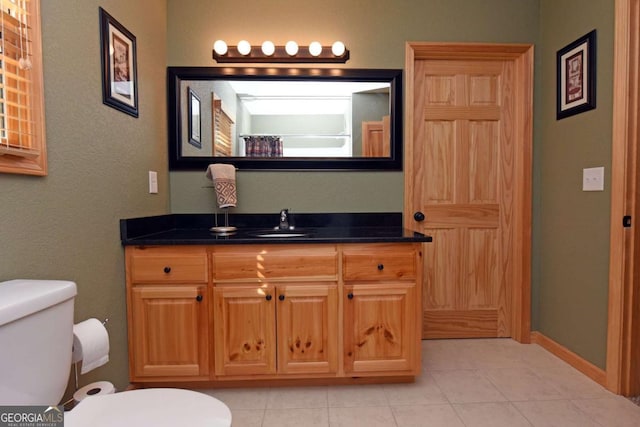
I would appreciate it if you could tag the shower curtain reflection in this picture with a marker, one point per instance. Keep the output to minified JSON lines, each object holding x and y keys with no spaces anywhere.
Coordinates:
{"x":263,"y":146}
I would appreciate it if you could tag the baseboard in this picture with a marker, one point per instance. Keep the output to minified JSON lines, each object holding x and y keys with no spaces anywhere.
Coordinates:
{"x":587,"y":368}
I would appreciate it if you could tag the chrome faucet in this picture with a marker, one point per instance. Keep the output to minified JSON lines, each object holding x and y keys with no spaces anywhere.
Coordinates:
{"x":284,"y":220}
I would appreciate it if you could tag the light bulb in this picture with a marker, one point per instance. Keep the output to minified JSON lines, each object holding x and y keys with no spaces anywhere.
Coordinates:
{"x":268,"y":48}
{"x":220,"y":47}
{"x":338,"y":48}
{"x":315,"y":48}
{"x":291,"y":48}
{"x":244,"y":47}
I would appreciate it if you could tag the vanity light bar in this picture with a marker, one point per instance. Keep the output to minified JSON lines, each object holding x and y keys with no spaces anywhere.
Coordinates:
{"x":289,"y":53}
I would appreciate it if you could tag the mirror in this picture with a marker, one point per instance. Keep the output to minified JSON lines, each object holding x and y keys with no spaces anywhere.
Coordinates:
{"x":285,"y":118}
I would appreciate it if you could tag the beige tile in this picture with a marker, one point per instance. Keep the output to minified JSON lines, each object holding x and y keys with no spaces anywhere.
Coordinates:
{"x":307,"y":417}
{"x":522,"y":384}
{"x":426,"y":415}
{"x":445,"y":355}
{"x":356,"y":395}
{"x":361,"y":417}
{"x":247,"y":417}
{"x":492,"y":414}
{"x":572,"y":383}
{"x":467,"y":386}
{"x":424,"y":391}
{"x":297,"y":397}
{"x":561,"y":413}
{"x":241,"y":398}
{"x":613,"y":411}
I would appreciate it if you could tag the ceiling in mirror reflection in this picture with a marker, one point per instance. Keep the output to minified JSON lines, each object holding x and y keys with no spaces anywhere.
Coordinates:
{"x":289,"y":98}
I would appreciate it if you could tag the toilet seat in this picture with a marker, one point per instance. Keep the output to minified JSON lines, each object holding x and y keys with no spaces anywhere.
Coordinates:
{"x":157,"y":407}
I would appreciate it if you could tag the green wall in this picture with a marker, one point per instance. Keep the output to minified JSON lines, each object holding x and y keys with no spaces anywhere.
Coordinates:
{"x":573,"y":229}
{"x":65,"y":225}
{"x":375,"y":32}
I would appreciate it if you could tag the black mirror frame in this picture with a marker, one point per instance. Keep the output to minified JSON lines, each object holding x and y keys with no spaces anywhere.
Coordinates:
{"x":178,"y":163}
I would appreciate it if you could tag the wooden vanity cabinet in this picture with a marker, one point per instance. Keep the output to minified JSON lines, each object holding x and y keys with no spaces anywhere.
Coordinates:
{"x":275,"y":310}
{"x":168,"y":311}
{"x":381,"y":309}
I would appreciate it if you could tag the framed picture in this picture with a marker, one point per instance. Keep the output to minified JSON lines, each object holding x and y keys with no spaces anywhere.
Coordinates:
{"x":119,"y":66}
{"x":576,"y":77}
{"x":195,"y":125}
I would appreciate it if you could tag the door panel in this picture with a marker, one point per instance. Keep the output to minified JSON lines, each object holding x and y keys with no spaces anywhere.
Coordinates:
{"x":463,"y":146}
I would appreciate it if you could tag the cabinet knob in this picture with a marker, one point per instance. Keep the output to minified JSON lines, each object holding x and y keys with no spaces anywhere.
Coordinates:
{"x":199,"y":298}
{"x":350,"y":295}
{"x":380,"y":267}
{"x":281,"y":297}
{"x":268,"y":297}
{"x":418,"y":216}
{"x":167,"y":269}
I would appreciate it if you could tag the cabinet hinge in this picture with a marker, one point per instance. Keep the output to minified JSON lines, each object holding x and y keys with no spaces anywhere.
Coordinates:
{"x":626,"y":221}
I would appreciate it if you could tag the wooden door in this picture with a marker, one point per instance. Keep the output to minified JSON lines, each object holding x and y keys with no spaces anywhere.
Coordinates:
{"x":376,"y":138}
{"x":244,"y":329}
{"x":307,"y":331}
{"x":170,"y":333}
{"x":379,"y":335}
{"x":467,"y":186}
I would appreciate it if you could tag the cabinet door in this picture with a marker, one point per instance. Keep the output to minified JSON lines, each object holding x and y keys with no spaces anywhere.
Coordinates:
{"x":170,"y":334}
{"x":244,"y":330}
{"x":379,"y":328}
{"x":307,"y":318}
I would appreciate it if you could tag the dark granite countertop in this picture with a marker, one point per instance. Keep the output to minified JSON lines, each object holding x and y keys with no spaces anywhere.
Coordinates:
{"x":193,"y":229}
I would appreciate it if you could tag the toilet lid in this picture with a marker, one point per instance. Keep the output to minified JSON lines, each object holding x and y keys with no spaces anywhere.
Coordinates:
{"x":157,"y":407}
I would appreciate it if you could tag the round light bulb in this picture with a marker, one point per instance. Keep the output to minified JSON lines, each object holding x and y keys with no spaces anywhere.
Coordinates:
{"x":338,"y":48}
{"x":268,"y":48}
{"x":244,"y":47}
{"x":315,"y":48}
{"x":220,"y":47}
{"x":291,"y":48}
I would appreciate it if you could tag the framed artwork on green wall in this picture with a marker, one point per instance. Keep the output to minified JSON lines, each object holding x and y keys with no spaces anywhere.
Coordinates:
{"x":119,"y":65}
{"x":576,"y":77}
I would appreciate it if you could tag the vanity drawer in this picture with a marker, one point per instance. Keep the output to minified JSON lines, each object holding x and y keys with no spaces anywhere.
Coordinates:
{"x":275,"y":262}
{"x":385,"y":262}
{"x":172,"y":264}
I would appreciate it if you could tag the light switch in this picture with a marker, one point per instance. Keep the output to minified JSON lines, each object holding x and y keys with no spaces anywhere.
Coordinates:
{"x":153,"y":182}
{"x":593,"y":179}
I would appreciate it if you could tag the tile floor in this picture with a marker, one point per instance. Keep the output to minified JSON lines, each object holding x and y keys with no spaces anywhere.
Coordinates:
{"x":477,"y":382}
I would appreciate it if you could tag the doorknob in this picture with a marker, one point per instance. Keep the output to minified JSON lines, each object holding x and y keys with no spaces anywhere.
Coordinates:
{"x":418,"y":216}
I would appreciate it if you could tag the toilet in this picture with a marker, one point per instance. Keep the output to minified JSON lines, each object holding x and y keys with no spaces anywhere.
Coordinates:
{"x":36,"y":338}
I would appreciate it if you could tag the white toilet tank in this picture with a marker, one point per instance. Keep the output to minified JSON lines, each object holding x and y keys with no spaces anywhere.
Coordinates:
{"x":36,"y":337}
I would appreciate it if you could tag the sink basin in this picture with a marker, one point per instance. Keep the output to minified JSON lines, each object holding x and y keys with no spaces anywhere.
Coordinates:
{"x":271,"y":234}
{"x":281,"y":234}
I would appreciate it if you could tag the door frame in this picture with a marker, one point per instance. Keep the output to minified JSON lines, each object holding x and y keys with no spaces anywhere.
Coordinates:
{"x":623,"y":334}
{"x":522,"y":57}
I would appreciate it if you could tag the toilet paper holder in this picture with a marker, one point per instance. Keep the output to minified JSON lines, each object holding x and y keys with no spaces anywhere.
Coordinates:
{"x":75,"y":364}
{"x":75,"y":372}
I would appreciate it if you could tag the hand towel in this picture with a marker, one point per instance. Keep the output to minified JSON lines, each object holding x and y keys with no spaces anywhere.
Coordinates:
{"x":224,"y":182}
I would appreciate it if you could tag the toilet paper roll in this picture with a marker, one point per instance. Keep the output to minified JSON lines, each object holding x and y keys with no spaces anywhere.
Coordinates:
{"x":90,"y":344}
{"x":94,"y":389}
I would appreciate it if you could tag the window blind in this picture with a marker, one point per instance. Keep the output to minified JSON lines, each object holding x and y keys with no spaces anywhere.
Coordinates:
{"x":22,"y":148}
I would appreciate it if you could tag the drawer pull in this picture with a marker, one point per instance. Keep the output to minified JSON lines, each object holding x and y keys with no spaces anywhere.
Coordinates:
{"x":281,"y":297}
{"x":167,"y":270}
{"x":268,"y":297}
{"x":380,"y":267}
{"x":350,"y":295}
{"x":199,"y":298}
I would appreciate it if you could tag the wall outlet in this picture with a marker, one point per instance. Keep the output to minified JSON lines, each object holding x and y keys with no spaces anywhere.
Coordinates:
{"x":593,"y":179}
{"x":153,"y":182}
